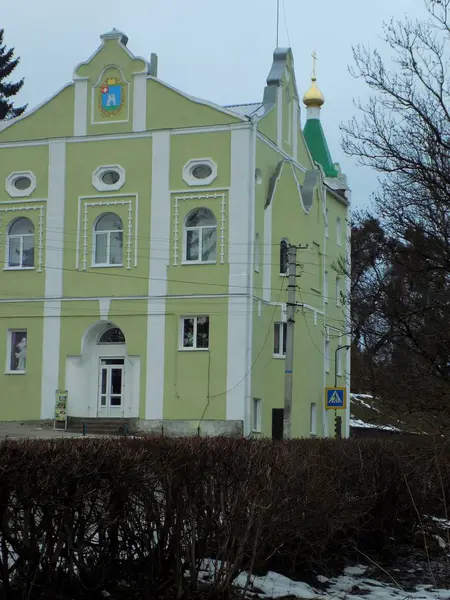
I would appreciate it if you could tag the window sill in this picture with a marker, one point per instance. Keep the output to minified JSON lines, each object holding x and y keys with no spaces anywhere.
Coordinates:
{"x":279,"y":356}
{"x":193,"y":349}
{"x":15,"y":372}
{"x":256,"y":430}
{"x":284,"y":274}
{"x":104,"y":266}
{"x":18,"y":268}
{"x":199,"y":262}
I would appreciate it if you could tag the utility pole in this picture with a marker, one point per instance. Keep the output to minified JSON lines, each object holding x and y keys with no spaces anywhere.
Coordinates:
{"x":289,"y":360}
{"x":337,"y":419}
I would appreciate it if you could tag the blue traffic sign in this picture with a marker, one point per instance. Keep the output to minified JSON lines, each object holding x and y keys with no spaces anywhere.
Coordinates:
{"x":335,"y":398}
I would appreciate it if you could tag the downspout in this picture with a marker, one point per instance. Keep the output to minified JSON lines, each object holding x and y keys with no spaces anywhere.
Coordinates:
{"x":250,"y":285}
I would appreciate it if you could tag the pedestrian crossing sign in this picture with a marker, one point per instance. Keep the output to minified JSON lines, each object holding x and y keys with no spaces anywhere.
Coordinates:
{"x":335,"y":398}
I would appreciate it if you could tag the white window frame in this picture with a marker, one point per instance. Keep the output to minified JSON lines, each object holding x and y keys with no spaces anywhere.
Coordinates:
{"x":283,"y":331}
{"x":8,"y":369}
{"x":100,"y":185}
{"x":20,"y":236}
{"x":194,"y":347}
{"x":13,"y":191}
{"x":327,"y":355}
{"x":198,"y":228}
{"x":313,"y":419}
{"x":339,"y":231}
{"x":188,"y":168}
{"x":256,"y":415}
{"x":108,"y":233}
{"x":286,"y":274}
{"x":325,"y":286}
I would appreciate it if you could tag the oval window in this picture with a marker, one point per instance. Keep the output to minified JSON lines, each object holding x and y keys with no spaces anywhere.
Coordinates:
{"x":110,"y":177}
{"x":22,"y":183}
{"x":201,"y":171}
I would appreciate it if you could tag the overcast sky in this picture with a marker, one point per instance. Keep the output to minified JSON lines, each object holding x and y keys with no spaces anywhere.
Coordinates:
{"x":220,"y":51}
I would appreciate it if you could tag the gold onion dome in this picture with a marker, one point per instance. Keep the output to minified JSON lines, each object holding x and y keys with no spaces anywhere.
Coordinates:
{"x":313,"y":96}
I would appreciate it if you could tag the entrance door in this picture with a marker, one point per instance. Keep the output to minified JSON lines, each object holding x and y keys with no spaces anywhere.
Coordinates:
{"x":111,"y":387}
{"x":277,"y":423}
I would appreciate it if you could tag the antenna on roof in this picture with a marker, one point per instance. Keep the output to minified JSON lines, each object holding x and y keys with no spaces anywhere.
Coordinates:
{"x":278,"y":22}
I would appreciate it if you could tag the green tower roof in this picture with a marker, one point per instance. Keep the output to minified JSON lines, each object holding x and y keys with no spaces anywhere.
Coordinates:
{"x":317,"y":144}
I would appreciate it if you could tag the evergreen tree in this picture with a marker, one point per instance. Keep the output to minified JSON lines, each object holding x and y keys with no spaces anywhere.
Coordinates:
{"x":7,"y":90}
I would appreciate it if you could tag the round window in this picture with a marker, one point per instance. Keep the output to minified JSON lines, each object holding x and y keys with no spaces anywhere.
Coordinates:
{"x":110,"y":177}
{"x":201,"y":171}
{"x":22,"y":183}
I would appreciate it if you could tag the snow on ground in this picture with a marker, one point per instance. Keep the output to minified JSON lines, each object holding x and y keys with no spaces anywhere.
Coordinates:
{"x":361,"y":398}
{"x":351,"y":585}
{"x":359,"y":423}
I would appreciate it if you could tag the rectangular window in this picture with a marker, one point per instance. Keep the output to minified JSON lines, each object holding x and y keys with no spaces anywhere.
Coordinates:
{"x":17,"y":351}
{"x":325,"y":286}
{"x":327,"y":355}
{"x":195,"y":333}
{"x":313,"y":419}
{"x":257,"y":253}
{"x":279,"y":341}
{"x":338,"y":231}
{"x":326,"y":223}
{"x":338,"y":291}
{"x":256,"y":415}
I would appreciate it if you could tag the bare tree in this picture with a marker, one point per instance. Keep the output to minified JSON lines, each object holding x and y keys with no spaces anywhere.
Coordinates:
{"x":403,"y":131}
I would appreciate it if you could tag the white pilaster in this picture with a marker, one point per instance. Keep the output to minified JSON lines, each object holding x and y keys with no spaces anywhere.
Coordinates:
{"x":267,"y":253}
{"x":140,"y":102}
{"x":157,"y":285}
{"x":240,"y":274}
{"x":280,"y":116}
{"x":54,"y":253}
{"x":348,"y":338}
{"x":80,"y":112}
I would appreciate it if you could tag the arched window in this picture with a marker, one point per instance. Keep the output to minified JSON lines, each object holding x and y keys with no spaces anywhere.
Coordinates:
{"x":257,"y":253}
{"x":21,"y":244}
{"x":108,"y":240}
{"x":201,"y":236}
{"x":284,"y":257}
{"x":112,"y":336}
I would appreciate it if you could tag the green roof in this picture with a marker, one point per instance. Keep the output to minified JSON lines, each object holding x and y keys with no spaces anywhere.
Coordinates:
{"x":317,"y":144}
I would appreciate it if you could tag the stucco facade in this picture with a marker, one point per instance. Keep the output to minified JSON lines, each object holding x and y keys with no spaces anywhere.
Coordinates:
{"x":140,"y":233}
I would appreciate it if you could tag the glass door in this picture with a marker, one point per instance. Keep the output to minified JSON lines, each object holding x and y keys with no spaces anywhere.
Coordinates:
{"x":111,"y":387}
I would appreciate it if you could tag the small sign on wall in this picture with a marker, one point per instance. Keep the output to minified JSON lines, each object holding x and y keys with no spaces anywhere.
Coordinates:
{"x":61,"y":409}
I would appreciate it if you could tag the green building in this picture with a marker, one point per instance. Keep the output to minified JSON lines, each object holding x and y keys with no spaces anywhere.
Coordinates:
{"x":143,"y":241}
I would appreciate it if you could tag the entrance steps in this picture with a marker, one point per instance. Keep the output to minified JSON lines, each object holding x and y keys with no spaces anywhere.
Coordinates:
{"x":101,"y":426}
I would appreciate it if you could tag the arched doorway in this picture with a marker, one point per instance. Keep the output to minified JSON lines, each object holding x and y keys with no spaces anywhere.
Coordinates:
{"x":103,"y":380}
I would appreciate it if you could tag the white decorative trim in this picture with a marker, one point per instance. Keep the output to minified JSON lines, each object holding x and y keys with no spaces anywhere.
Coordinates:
{"x":127,"y":98}
{"x":192,"y":164}
{"x":54,"y":263}
{"x":100,"y":185}
{"x":81,"y":104}
{"x":140,"y":102}
{"x":104,"y":305}
{"x":295,"y":127}
{"x":21,"y":208}
{"x":267,"y":253}
{"x":176,"y":222}
{"x":13,"y":191}
{"x":84,"y":204}
{"x":157,"y":282}
{"x":154,"y":297}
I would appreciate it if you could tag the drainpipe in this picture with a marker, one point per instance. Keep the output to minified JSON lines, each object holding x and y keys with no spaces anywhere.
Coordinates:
{"x":250,"y":286}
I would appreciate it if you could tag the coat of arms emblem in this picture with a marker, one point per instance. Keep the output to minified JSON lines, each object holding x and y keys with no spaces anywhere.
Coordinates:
{"x":111,"y":96}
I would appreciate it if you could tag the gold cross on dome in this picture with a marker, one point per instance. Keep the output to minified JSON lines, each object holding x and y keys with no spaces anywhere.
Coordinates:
{"x":314,"y":57}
